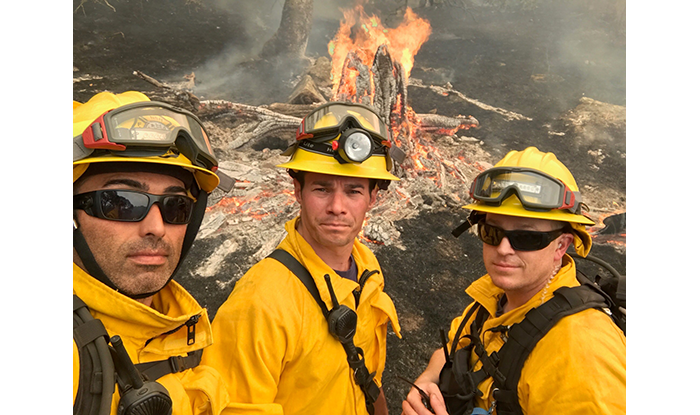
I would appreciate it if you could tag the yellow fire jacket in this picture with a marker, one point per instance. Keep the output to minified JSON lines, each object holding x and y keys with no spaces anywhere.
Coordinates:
{"x":145,"y":333}
{"x":578,"y":367}
{"x":273,"y":345}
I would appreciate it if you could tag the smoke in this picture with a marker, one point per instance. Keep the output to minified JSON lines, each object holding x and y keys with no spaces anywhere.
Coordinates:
{"x":234,"y":74}
{"x":467,"y":42}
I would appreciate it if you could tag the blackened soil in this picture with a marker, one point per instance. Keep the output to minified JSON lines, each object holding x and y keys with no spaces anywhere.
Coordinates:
{"x":531,"y":57}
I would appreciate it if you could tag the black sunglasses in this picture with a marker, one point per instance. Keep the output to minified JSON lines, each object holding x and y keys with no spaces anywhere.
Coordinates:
{"x":519,"y":240}
{"x":133,"y":206}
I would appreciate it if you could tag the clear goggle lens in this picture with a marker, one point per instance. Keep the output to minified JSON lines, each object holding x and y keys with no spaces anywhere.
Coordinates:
{"x":147,"y":128}
{"x":331,"y":117}
{"x":536,"y":190}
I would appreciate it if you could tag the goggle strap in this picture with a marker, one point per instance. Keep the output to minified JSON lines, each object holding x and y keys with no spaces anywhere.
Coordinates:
{"x":397,"y":154}
{"x":226,"y":182}
{"x":291,"y":149}
{"x":79,"y":150}
{"x":327,"y":149}
{"x":474,"y":217}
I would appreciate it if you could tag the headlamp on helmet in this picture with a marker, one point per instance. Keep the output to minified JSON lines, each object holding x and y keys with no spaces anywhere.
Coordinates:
{"x":354,"y":145}
{"x":360,"y":131}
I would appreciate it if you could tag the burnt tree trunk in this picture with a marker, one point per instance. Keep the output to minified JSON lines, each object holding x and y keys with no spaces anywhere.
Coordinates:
{"x":292,"y":36}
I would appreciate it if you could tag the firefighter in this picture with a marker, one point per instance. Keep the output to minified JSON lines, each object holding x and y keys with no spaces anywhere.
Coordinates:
{"x":291,"y":348}
{"x":142,"y":171}
{"x":528,"y":212}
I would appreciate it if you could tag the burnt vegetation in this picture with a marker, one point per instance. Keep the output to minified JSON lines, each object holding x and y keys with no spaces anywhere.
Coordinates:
{"x":532,"y":72}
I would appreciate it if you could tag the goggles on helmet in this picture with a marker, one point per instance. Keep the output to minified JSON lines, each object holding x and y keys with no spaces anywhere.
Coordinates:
{"x":133,"y":205}
{"x":362,"y":134}
{"x":145,"y":129}
{"x":331,"y":118}
{"x":536,"y":190}
{"x":519,"y":240}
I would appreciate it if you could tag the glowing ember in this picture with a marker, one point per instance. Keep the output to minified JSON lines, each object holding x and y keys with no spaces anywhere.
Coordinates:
{"x":254,"y":205}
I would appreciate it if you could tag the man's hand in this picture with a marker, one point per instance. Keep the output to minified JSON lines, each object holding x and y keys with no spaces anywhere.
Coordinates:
{"x":413,"y":405}
{"x":427,"y":381}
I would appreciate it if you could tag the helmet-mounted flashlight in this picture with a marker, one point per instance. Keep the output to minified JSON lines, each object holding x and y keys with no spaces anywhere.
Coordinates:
{"x":354,"y":145}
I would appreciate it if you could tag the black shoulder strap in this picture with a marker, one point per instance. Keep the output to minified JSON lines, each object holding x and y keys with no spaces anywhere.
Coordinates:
{"x":97,"y":370}
{"x":458,"y":333}
{"x":523,"y":337}
{"x":360,"y":373}
{"x":302,"y":273}
{"x":97,"y":374}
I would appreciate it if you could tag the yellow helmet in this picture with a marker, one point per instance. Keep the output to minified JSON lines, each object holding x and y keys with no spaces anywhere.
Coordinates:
{"x":344,"y":139}
{"x":129,"y":127}
{"x":532,"y":184}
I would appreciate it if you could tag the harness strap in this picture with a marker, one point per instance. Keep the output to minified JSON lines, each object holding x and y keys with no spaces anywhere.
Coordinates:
{"x":302,"y":273}
{"x":174,"y":364}
{"x":97,"y":373}
{"x":523,"y":337}
{"x":363,"y":378}
{"x":88,"y":332}
{"x":456,"y":337}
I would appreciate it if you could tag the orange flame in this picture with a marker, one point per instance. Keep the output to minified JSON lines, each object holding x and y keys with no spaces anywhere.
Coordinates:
{"x":403,"y":41}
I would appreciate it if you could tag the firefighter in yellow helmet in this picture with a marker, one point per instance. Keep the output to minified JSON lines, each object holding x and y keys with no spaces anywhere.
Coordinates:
{"x":304,"y":330}
{"x":519,"y":347}
{"x":142,"y":171}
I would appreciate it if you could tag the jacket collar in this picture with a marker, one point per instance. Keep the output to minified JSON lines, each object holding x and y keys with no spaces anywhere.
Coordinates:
{"x":172,"y":307}
{"x":296,"y":245}
{"x":487,"y":294}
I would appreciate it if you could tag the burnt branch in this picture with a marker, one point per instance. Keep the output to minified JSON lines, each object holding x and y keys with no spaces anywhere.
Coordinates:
{"x":435,"y":123}
{"x":447,"y":90}
{"x":250,"y":123}
{"x":178,"y":94}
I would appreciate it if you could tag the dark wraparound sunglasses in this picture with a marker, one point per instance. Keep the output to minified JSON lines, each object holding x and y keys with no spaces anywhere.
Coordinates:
{"x":133,"y":205}
{"x":519,"y":240}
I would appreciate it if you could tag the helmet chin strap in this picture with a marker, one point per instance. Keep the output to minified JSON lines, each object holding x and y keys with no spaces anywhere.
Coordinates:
{"x":93,"y":268}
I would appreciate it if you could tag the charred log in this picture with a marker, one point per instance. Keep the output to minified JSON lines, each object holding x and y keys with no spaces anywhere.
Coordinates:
{"x":448,"y":90}
{"x":386,"y":92}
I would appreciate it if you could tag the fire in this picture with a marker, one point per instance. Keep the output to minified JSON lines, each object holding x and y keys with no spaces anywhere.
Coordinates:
{"x":360,"y":36}
{"x":614,"y":236}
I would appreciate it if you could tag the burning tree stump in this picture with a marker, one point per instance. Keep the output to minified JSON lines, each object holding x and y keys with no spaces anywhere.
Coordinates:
{"x":383,"y":86}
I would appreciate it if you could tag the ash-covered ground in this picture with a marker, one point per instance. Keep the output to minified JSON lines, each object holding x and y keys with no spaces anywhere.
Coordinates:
{"x":559,"y":64}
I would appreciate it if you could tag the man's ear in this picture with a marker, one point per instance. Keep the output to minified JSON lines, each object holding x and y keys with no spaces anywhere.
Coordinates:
{"x":297,"y":190}
{"x":563,"y":243}
{"x":373,"y":196}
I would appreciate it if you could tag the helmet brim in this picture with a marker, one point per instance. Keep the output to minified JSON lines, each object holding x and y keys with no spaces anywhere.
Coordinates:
{"x":206,"y":179}
{"x":512,"y":207}
{"x":372,"y":168}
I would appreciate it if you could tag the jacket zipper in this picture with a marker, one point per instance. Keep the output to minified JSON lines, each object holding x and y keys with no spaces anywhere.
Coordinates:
{"x":363,"y":279}
{"x":190,"y":324}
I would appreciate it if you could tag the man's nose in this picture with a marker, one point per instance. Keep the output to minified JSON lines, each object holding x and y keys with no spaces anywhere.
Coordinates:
{"x":153,"y":223}
{"x":504,"y":247}
{"x":336,"y":203}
